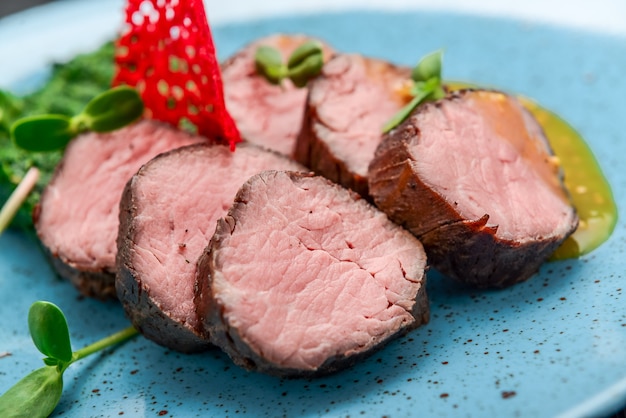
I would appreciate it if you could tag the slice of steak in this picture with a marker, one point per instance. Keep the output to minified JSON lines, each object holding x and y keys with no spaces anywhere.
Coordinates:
{"x":266,"y":114}
{"x":474,"y":178}
{"x":77,"y":217}
{"x":348,"y":105}
{"x":167,"y":217}
{"x":304,"y":277}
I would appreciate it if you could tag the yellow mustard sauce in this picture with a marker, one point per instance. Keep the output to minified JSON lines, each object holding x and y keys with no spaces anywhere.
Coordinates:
{"x":589,"y":190}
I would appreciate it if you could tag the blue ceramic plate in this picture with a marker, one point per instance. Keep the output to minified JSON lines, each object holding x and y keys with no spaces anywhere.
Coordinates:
{"x":555,"y":345}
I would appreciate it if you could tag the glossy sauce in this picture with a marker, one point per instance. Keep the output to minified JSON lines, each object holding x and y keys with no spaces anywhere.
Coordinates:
{"x":589,"y":190}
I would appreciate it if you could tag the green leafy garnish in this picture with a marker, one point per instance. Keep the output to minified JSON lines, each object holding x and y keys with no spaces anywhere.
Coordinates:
{"x":112,"y":109}
{"x":428,"y":68}
{"x":427,"y":86}
{"x":37,"y":394}
{"x":10,"y":108}
{"x":269,"y":63}
{"x":48,"y":329}
{"x":108,"y":111}
{"x":42,"y":132}
{"x":69,"y":87}
{"x":303,"y":64}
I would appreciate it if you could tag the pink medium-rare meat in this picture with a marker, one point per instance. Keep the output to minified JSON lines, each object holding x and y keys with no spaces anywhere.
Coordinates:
{"x":347,"y":107}
{"x":168,"y":214}
{"x":77,"y":217}
{"x":267,"y":115}
{"x":304,"y":277}
{"x":474,"y":178}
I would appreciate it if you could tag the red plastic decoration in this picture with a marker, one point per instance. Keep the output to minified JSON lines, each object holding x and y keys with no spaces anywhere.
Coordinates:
{"x":167,"y":53}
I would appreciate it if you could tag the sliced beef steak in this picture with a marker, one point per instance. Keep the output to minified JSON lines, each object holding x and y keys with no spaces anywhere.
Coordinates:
{"x":304,"y":277}
{"x":167,"y":217}
{"x":348,"y":105}
{"x":474,"y":178}
{"x":77,"y":217}
{"x":267,"y":115}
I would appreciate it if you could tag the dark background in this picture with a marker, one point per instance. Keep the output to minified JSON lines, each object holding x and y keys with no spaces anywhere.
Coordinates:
{"x":12,"y":6}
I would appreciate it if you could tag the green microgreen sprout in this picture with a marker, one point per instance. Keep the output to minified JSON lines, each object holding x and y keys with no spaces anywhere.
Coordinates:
{"x":37,"y":394}
{"x":427,"y":86}
{"x":106,"y":112}
{"x":17,"y":198}
{"x":303,"y":64}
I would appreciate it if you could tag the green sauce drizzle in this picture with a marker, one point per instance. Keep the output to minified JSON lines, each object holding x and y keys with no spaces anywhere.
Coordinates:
{"x":589,"y":190}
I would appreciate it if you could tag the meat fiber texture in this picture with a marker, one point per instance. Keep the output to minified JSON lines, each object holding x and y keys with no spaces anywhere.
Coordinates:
{"x":304,"y":277}
{"x":347,"y":107}
{"x":266,"y":114}
{"x":168,"y":214}
{"x":473,"y":177}
{"x":77,"y":217}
